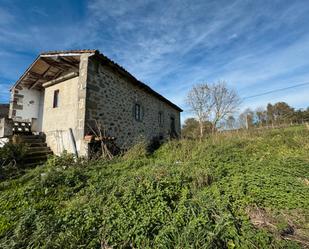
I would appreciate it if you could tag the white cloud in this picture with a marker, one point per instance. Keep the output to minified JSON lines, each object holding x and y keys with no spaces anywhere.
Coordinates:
{"x":254,"y":46}
{"x":157,"y":42}
{"x":297,"y":98}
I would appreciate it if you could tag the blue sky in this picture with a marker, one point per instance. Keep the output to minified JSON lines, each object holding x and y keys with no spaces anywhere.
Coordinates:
{"x":255,"y":46}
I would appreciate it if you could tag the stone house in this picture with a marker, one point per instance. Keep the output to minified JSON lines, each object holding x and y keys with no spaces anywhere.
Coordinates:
{"x":65,"y":93}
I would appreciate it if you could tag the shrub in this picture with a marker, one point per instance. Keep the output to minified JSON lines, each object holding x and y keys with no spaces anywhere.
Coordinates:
{"x":154,"y":144}
{"x":137,"y":151}
{"x":13,"y":154}
{"x":64,"y":160}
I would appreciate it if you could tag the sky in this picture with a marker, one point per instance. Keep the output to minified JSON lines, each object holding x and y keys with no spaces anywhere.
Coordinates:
{"x":255,"y":46}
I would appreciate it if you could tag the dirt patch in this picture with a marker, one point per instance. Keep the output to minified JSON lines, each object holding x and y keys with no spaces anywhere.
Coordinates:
{"x":304,"y":180}
{"x":288,"y":225}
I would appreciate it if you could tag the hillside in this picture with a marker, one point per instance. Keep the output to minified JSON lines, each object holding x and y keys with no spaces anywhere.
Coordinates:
{"x":248,"y":190}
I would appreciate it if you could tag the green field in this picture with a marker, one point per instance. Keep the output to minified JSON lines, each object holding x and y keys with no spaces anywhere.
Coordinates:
{"x":241,"y":190}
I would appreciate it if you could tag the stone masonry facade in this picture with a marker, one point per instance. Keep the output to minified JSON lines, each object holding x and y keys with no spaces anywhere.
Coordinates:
{"x":111,"y":99}
{"x":90,"y":89}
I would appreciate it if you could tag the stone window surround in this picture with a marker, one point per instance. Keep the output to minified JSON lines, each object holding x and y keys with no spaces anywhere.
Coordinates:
{"x":141,"y":111}
{"x":137,"y":112}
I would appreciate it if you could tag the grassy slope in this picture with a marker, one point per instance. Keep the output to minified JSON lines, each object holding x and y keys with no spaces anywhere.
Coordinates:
{"x":187,"y":195}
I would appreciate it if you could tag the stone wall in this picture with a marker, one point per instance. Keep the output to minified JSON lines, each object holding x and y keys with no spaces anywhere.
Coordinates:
{"x":111,"y":98}
{"x":6,"y":127}
{"x":70,"y":114}
{"x":81,"y":105}
{"x":25,"y":105}
{"x":57,"y":121}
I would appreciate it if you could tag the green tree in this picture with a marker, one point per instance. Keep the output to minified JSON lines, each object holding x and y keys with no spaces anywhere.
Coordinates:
{"x":191,"y":128}
{"x":270,"y":114}
{"x":260,"y":116}
{"x":283,"y":113}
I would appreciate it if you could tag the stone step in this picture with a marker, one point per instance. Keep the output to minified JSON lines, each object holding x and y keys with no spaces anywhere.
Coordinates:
{"x":31,"y":165}
{"x":38,"y":153}
{"x":30,"y":136}
{"x":37,"y":145}
{"x":36,"y":159}
{"x":33,"y":140}
{"x":39,"y":148}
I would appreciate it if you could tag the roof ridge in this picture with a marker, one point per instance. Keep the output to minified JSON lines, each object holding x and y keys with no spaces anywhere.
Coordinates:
{"x":69,"y":51}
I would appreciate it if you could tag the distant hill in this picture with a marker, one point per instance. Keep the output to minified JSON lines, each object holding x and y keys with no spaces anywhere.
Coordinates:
{"x":4,"y":110}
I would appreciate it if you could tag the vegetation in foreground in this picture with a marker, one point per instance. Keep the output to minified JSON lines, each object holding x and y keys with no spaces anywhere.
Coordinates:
{"x":227,"y":191}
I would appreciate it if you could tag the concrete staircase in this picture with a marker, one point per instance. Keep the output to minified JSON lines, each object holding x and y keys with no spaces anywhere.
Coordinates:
{"x":38,"y":151}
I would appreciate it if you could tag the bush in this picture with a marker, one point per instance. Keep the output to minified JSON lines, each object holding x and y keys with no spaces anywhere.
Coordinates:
{"x":138,"y":151}
{"x":13,"y":154}
{"x":64,"y":160}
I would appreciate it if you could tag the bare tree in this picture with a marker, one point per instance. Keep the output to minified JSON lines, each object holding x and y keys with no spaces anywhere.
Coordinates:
{"x":201,"y":103}
{"x":225,"y":102}
{"x":213,"y":103}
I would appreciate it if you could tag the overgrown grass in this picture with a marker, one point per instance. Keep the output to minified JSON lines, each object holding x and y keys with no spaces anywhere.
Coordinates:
{"x":188,"y":194}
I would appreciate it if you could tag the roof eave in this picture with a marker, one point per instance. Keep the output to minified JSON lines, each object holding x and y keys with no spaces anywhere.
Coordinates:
{"x":24,"y":74}
{"x":102,"y":57}
{"x":52,"y":54}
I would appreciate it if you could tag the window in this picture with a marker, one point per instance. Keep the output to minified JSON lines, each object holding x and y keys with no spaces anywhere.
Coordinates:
{"x":173,"y":124}
{"x":56,"y":99}
{"x":160,"y":118}
{"x":173,"y":132}
{"x":138,"y":112}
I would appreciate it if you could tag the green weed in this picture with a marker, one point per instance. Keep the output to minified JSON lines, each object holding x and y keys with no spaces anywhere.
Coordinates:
{"x":187,"y":194}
